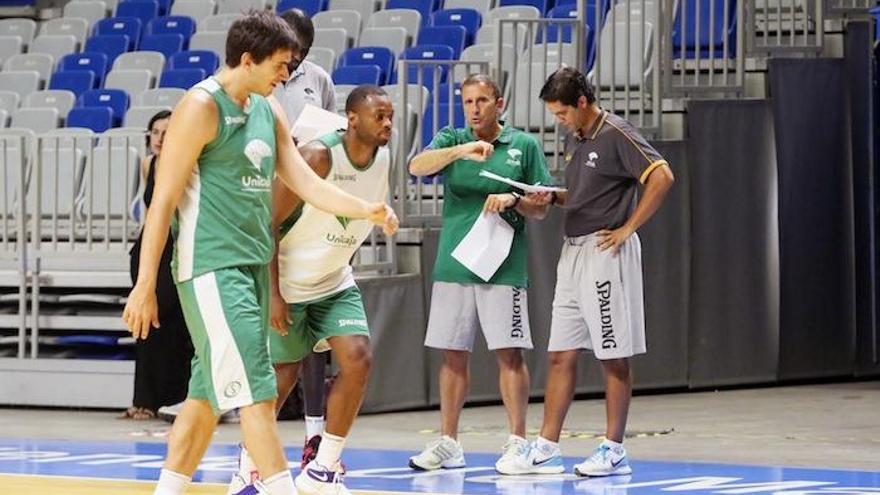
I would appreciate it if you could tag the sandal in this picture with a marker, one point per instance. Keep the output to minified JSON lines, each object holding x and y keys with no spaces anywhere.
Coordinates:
{"x":137,"y":413}
{"x":144,"y":414}
{"x":129,"y":413}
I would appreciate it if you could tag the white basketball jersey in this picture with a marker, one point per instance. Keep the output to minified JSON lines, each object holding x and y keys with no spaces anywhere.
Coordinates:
{"x":314,"y":255}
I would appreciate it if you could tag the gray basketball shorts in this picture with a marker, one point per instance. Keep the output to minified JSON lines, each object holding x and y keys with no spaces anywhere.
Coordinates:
{"x":599,"y":301}
{"x":457,"y":310}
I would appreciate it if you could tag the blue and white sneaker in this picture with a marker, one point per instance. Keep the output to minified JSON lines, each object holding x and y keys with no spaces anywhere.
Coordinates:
{"x":545,"y":459}
{"x":316,"y":479}
{"x":604,"y":461}
{"x":250,"y":490}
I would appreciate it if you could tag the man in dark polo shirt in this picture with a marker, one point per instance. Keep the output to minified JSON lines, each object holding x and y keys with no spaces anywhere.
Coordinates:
{"x":598,"y":302}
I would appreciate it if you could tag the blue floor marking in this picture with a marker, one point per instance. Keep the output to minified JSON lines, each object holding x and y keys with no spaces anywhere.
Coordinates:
{"x":370,"y":469}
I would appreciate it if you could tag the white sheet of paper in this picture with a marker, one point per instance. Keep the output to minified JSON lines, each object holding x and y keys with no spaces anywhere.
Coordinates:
{"x":486,"y":245}
{"x":315,"y":122}
{"x":520,"y":185}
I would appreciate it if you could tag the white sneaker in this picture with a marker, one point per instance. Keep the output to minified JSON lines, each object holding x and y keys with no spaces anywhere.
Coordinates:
{"x":316,"y":479}
{"x":605,"y":461}
{"x":443,"y":453}
{"x":242,"y":478}
{"x":514,"y":457}
{"x":545,"y":460}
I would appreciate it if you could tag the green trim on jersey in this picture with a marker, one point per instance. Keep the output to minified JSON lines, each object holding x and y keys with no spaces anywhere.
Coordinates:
{"x":517,"y":156}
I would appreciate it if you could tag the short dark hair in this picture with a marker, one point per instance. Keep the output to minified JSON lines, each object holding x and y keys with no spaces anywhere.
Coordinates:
{"x":302,"y":26}
{"x":260,"y":33}
{"x":482,"y":79}
{"x":566,"y":85}
{"x":161,"y":114}
{"x":360,"y":95}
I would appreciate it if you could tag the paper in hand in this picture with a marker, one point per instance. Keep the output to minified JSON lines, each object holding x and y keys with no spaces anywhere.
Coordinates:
{"x":486,"y":245}
{"x":521,"y":185}
{"x":314,"y":122}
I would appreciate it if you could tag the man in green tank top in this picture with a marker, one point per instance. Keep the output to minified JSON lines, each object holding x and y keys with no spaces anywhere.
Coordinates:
{"x":224,"y":144}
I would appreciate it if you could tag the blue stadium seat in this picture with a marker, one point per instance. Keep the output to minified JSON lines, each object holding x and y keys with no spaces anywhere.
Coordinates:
{"x":557,"y":31}
{"x":167,"y":44}
{"x":358,"y":74}
{"x":875,"y":12}
{"x":195,"y":59}
{"x":310,"y":7}
{"x":442,"y":119}
{"x":718,"y":31}
{"x":443,"y":93}
{"x":111,"y":45}
{"x":173,"y":24}
{"x":425,"y":7}
{"x":142,"y":9}
{"x":98,"y":119}
{"x":541,"y":5}
{"x":93,"y":61}
{"x":181,"y":78}
{"x":75,"y":81}
{"x":129,"y":26}
{"x":469,"y":18}
{"x":114,"y":99}
{"x":452,"y":36}
{"x":370,"y":55}
{"x":426,"y":52}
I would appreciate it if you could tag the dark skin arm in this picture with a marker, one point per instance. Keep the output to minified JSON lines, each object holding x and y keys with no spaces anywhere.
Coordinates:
{"x":285,"y":202}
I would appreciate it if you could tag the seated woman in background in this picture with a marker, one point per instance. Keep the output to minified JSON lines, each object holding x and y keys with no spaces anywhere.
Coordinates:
{"x":162,"y":362}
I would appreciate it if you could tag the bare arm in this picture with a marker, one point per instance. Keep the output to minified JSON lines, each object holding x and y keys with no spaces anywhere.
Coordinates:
{"x":296,"y":174}
{"x":285,"y":202}
{"x":430,"y":162}
{"x":189,"y":130}
{"x":656,"y":186}
{"x":527,"y":206}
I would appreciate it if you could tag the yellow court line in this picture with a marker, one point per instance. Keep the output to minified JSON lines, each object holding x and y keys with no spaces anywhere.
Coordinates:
{"x":71,"y":485}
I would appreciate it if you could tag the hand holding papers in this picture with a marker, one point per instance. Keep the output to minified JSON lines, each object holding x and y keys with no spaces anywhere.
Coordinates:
{"x":520,"y":185}
{"x":486,"y":245}
{"x":315,"y":122}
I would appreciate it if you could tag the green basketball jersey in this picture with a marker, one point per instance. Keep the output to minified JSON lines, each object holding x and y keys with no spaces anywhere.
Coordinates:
{"x":224,"y":216}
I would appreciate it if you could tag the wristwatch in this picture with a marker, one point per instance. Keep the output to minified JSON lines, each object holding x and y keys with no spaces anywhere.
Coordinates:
{"x":516,"y":197}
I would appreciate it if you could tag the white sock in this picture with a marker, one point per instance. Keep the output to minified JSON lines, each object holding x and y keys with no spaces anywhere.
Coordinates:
{"x":246,"y":465}
{"x":617,"y":448}
{"x":314,"y":426}
{"x":171,"y":483}
{"x":278,"y":484}
{"x":330,"y":450}
{"x":546,"y":446}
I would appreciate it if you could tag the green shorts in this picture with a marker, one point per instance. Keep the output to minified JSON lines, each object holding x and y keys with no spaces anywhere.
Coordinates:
{"x":227,"y":313}
{"x":315,"y":321}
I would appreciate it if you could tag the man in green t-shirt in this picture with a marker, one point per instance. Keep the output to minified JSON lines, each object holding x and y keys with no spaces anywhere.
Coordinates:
{"x":225,"y":142}
{"x":461,"y":301}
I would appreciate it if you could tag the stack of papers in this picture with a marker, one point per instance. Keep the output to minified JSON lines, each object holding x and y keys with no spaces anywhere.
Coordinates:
{"x":315,"y":122}
{"x":529,"y":188}
{"x":486,"y":245}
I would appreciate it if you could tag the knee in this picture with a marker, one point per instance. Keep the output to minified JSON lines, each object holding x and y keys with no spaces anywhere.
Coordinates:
{"x":358,"y":360}
{"x":561,"y":360}
{"x":510,"y":359}
{"x":617,"y":367}
{"x":456,"y":360}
